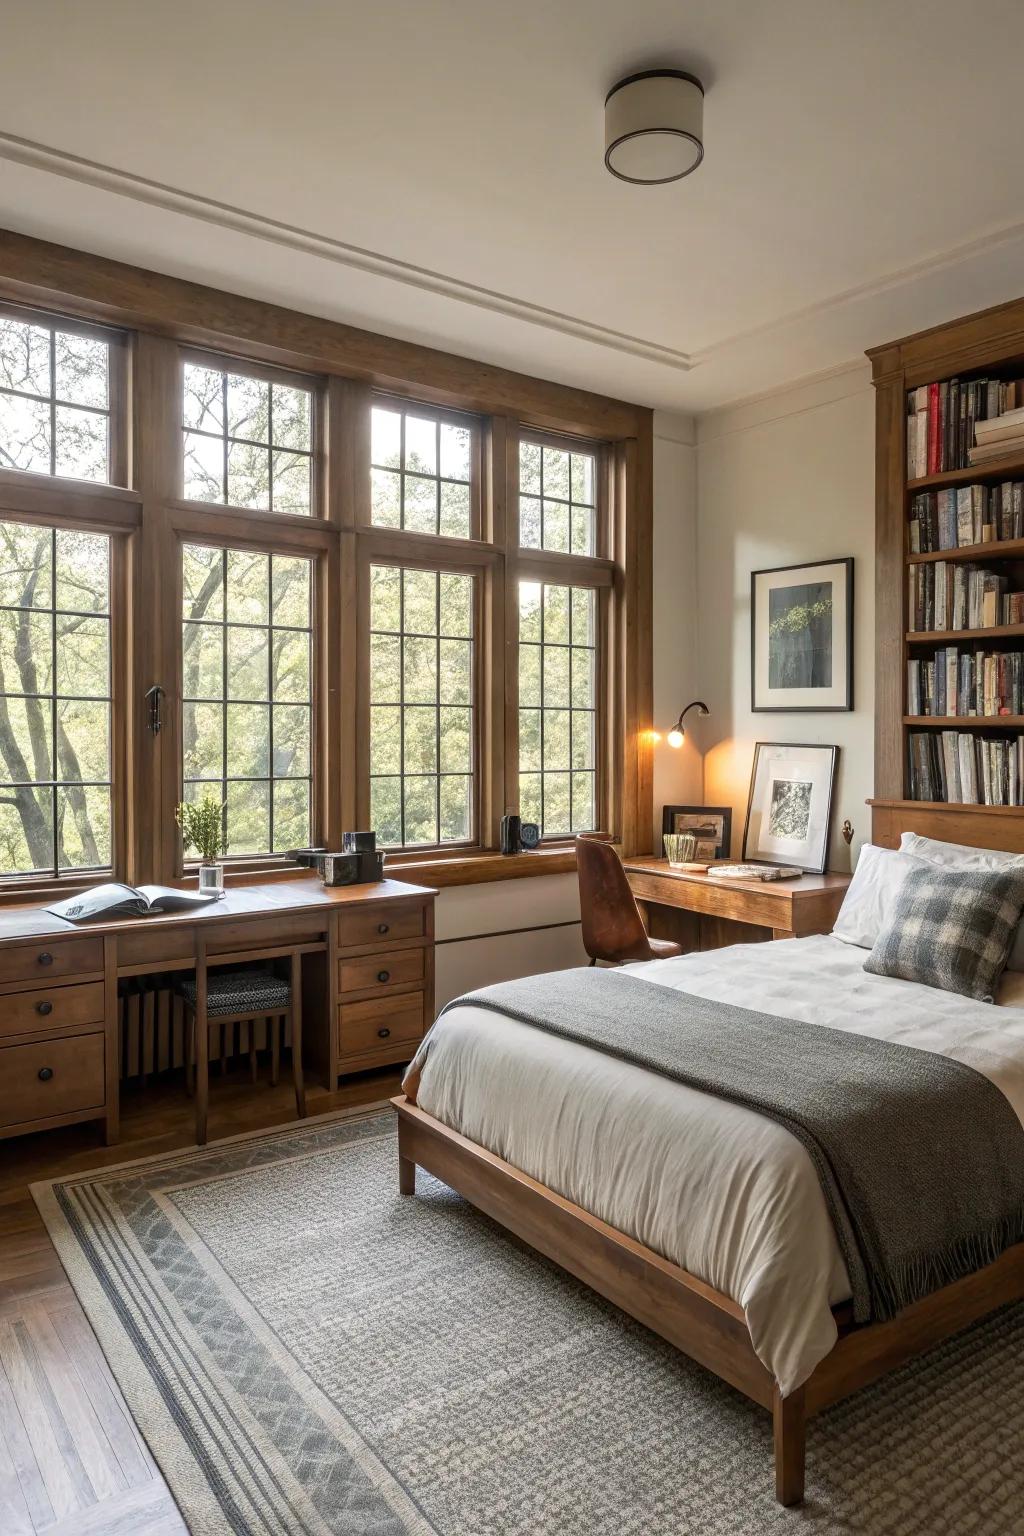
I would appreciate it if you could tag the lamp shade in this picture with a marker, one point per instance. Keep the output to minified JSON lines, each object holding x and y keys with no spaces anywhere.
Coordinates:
{"x":654,"y":126}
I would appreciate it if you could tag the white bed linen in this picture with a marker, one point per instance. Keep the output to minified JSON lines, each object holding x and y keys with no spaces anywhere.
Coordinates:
{"x":718,"y":1189}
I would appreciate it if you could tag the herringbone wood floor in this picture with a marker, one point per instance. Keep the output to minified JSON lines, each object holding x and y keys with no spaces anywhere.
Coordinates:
{"x":72,"y":1462}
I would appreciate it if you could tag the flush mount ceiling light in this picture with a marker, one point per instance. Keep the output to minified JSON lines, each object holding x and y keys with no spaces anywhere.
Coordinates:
{"x":654,"y":126}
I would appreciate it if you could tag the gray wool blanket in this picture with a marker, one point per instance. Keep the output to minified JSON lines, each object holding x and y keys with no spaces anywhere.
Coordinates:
{"x":920,"y":1158}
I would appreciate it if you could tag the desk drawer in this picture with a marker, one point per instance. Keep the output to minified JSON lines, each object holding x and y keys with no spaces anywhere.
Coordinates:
{"x":380,"y":1024}
{"x":380,"y":925}
{"x":72,"y":1078}
{"x":389,"y":968}
{"x":49,"y":960}
{"x":51,"y":1008}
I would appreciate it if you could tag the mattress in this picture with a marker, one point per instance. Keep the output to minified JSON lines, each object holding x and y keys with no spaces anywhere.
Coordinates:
{"x":726,"y":1194}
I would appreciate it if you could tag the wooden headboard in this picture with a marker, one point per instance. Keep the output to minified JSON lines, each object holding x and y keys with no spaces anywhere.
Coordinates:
{"x":978,"y":826}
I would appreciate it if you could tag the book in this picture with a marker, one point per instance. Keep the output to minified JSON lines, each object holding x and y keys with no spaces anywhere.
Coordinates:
{"x":1009,"y":424}
{"x":114,"y":900}
{"x":1003,"y":448}
{"x":753,"y":872}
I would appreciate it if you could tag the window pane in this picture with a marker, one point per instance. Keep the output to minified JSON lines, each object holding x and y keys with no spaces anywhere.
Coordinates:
{"x":246,"y":713}
{"x":557,"y":499}
{"x":246,"y":442}
{"x":54,"y":401}
{"x":24,"y":357}
{"x":81,"y":370}
{"x":54,"y":700}
{"x":557,"y":707}
{"x":422,"y":710}
{"x":421,"y":473}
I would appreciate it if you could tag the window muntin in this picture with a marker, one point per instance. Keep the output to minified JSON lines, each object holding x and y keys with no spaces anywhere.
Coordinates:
{"x":54,"y":400}
{"x":55,"y":696}
{"x":557,"y":498}
{"x":247,"y":692}
{"x":421,"y":469}
{"x":422,"y":715}
{"x":557,"y":707}
{"x":247,"y":441}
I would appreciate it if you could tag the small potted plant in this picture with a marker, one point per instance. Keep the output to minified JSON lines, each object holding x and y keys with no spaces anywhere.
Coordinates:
{"x":202,"y":828}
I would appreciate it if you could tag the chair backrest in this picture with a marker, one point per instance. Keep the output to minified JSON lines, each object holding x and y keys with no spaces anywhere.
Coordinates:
{"x":612,"y":926}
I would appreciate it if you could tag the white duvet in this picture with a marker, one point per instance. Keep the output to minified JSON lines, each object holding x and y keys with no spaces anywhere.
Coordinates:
{"x":718,"y":1189}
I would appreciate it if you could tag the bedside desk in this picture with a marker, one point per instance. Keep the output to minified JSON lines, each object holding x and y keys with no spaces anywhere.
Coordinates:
{"x":703,"y":912}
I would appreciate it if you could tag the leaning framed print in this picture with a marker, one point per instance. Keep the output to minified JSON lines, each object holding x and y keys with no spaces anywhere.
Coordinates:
{"x":801,"y":636}
{"x":789,"y":809}
{"x":711,"y":825}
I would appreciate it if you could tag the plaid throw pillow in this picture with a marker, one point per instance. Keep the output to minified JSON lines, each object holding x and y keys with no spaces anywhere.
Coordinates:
{"x":951,"y":928}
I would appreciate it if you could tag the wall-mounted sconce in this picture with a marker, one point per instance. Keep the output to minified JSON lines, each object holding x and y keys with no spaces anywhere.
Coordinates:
{"x":678,"y":731}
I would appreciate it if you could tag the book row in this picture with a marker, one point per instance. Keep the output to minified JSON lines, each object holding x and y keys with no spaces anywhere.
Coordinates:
{"x":941,"y":418}
{"x":965,"y":515}
{"x":945,"y":596}
{"x":964,"y":768}
{"x":961,"y":683}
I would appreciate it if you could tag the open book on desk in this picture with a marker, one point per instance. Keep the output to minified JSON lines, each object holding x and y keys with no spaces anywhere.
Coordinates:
{"x":113,"y":900}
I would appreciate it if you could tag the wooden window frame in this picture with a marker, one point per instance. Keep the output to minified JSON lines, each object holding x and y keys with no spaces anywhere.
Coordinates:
{"x":474,"y":567}
{"x":117,"y":395}
{"x":218,"y":362}
{"x":161,"y":321}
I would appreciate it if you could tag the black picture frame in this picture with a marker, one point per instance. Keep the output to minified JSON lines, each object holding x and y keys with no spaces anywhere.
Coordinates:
{"x":724,"y":844}
{"x":845,"y":563}
{"x":758,"y":856}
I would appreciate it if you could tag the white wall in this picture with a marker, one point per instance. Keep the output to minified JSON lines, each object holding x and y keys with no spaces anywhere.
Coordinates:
{"x":508,"y":928}
{"x":786,"y":479}
{"x":677,"y":773}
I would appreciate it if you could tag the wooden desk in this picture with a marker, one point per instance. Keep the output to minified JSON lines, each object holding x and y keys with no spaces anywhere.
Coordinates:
{"x":733,"y":911}
{"x":368,"y":994}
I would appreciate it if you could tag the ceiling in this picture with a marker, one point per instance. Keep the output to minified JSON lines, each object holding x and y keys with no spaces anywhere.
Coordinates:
{"x":434,"y":171}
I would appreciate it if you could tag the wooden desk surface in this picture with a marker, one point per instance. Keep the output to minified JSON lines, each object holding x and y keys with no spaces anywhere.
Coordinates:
{"x":18,"y":923}
{"x":804,"y":886}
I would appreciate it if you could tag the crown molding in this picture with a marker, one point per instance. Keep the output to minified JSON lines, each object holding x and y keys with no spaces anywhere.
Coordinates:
{"x":163,"y":196}
{"x":939,"y":261}
{"x":141,"y":189}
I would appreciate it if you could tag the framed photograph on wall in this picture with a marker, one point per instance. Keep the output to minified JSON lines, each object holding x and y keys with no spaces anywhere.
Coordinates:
{"x":801,"y":636}
{"x":789,"y":810}
{"x":711,"y":825}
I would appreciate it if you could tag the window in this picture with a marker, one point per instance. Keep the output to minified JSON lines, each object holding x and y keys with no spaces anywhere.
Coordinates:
{"x":246,"y":693}
{"x":248,"y":441}
{"x":54,"y":400}
{"x":54,"y":700}
{"x":422,"y":471}
{"x":557,"y":498}
{"x":557,"y":707}
{"x":421,"y":706}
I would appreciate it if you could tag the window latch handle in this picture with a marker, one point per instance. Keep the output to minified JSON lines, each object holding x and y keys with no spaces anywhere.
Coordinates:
{"x":153,"y":697}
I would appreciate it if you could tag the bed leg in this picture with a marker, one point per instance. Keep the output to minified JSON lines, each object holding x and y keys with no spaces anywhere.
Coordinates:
{"x":790,"y":1423}
{"x":406,"y":1176}
{"x":406,"y":1165}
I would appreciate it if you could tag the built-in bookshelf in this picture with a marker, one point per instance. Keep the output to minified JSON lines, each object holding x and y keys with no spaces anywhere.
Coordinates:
{"x":950,"y":570}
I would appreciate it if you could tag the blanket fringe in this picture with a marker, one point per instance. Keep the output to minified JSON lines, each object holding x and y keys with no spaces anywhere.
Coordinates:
{"x":911,"y":1279}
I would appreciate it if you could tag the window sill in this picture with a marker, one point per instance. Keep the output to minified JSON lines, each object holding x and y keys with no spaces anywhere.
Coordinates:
{"x":482,"y":868}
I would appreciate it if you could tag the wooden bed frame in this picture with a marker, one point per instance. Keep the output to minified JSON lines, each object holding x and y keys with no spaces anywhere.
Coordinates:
{"x":700,"y":1321}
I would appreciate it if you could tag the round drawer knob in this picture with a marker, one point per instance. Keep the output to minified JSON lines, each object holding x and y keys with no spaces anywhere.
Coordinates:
{"x":45,"y":958}
{"x":383,"y":927}
{"x":383,"y":1033}
{"x":45,"y":1073}
{"x":44,"y":1008}
{"x":383,"y":975}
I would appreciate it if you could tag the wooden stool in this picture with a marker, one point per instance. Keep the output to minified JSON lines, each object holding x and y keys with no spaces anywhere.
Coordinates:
{"x":214,"y":999}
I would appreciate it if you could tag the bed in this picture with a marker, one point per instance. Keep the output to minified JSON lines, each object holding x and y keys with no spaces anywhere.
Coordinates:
{"x":699,"y":1217}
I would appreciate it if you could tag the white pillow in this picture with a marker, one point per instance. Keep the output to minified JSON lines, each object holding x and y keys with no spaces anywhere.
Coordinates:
{"x":960,"y":856}
{"x":871,"y":893}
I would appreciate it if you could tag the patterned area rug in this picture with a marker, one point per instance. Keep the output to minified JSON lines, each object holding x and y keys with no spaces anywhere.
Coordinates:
{"x":306,"y":1351}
